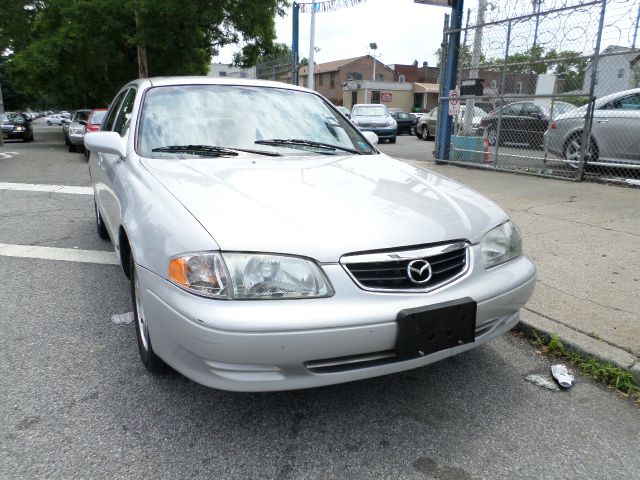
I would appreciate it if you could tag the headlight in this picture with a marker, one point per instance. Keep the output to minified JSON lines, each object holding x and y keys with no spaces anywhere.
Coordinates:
{"x":20,"y":129}
{"x":275,"y":276}
{"x":77,"y":131}
{"x":501,"y":244}
{"x":392,"y":123}
{"x":355,"y":121}
{"x":248,"y":276}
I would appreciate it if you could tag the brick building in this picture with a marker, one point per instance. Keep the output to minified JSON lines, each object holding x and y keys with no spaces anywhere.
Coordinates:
{"x":331,"y":77}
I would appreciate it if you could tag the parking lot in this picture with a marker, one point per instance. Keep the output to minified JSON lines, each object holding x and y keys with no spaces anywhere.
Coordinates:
{"x":76,"y":402}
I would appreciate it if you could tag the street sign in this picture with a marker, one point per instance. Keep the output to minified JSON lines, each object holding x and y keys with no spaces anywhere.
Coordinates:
{"x":386,"y":97}
{"x":454,"y":102}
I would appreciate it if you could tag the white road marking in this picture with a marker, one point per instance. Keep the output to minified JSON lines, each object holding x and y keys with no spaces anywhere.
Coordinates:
{"x":31,"y":187}
{"x":122,"y":318}
{"x":5,"y":155}
{"x":63,"y":254}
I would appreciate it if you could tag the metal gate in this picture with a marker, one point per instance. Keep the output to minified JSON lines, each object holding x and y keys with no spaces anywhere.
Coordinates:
{"x":549,"y":88}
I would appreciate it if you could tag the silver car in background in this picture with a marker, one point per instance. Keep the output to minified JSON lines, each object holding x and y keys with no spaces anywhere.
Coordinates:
{"x":615,"y":134}
{"x":271,"y":246}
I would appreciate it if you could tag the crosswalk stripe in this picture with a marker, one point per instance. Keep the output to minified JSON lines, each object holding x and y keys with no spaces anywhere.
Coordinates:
{"x":31,"y":187}
{"x":62,"y":254}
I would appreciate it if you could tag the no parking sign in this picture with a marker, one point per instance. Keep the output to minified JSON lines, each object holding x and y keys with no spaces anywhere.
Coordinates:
{"x":454,"y":102}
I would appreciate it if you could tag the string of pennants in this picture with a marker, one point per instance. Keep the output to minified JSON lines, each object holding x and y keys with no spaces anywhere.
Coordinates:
{"x":327,"y":5}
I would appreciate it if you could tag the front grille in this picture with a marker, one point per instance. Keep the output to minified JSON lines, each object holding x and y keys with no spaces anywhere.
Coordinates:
{"x":388,"y":270}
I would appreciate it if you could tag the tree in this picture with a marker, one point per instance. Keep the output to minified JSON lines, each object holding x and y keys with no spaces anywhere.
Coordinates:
{"x":79,"y":52}
{"x":570,"y":66}
{"x":464,"y":57}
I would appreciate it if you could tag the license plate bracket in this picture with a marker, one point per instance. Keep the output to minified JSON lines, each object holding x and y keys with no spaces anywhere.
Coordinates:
{"x":430,"y":329}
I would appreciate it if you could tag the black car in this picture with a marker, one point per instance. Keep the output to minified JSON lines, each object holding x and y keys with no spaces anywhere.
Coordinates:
{"x":15,"y":126}
{"x":521,"y":122}
{"x":406,"y":122}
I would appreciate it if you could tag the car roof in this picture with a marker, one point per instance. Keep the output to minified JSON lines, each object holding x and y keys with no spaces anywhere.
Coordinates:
{"x":202,"y":80}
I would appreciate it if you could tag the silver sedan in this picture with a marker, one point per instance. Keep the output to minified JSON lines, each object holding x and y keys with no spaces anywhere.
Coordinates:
{"x":271,"y":246}
{"x":615,"y":134}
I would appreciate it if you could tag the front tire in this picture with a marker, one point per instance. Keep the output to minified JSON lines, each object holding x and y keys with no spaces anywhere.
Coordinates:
{"x":149,"y":358}
{"x":392,"y":140}
{"x":571,"y":150}
{"x":425,"y":133}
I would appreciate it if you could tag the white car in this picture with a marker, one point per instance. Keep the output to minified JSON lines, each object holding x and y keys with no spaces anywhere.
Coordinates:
{"x":55,"y":119}
{"x":271,"y":246}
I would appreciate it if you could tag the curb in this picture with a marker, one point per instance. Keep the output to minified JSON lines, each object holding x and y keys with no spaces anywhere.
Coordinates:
{"x":605,"y":354}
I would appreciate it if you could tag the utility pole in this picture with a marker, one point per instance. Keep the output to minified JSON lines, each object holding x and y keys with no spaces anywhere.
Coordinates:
{"x":475,"y":62}
{"x":311,"y":67}
{"x":1,"y":111}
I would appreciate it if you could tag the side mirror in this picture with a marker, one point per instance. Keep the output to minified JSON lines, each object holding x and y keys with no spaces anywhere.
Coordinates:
{"x":82,"y":122}
{"x":371,"y":137}
{"x":105,"y":142}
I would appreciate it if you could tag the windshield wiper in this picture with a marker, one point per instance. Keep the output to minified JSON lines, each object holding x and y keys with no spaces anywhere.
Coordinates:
{"x":294,"y":142}
{"x":211,"y":150}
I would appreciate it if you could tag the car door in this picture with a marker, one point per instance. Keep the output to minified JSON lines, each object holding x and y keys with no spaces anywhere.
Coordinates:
{"x":113,"y":163}
{"x":101,"y":165}
{"x":532,"y":124}
{"x":616,"y":128}
{"x":510,"y":128}
{"x":432,"y":121}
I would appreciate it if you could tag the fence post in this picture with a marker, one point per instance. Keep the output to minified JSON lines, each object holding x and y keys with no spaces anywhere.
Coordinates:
{"x":443,"y":53}
{"x":588,"y":118}
{"x":503,"y":85}
{"x":294,"y":43}
{"x":444,"y":120}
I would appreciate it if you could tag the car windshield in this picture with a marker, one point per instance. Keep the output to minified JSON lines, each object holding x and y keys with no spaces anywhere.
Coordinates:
{"x":243,"y":117}
{"x":11,"y":118}
{"x":81,"y":116}
{"x":97,"y":117}
{"x":369,"y":111}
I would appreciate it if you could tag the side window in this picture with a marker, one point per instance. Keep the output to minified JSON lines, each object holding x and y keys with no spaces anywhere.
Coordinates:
{"x":632,"y":102}
{"x":512,"y":109}
{"x":122,"y":120}
{"x":107,"y":124}
{"x":530,"y":108}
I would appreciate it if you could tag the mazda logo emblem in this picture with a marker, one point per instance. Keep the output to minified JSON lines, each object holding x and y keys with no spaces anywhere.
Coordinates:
{"x":419,"y":271}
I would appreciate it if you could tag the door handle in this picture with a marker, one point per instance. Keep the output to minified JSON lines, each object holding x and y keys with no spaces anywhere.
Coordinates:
{"x":602,"y":121}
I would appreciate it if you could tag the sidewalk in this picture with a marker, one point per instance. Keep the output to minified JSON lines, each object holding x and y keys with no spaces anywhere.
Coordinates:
{"x":584,"y":238}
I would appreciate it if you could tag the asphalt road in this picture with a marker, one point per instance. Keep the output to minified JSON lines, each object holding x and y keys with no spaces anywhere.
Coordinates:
{"x":75,"y":401}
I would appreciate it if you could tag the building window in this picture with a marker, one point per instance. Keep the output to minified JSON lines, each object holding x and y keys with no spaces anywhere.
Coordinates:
{"x":243,"y":74}
{"x":375,"y":96}
{"x":355,"y":76}
{"x":401,"y":78}
{"x":518,"y":88}
{"x":621,"y":73}
{"x":494,"y":85}
{"x":380,"y":77}
{"x":332,"y":79}
{"x":223,"y":74}
{"x":320,"y":79}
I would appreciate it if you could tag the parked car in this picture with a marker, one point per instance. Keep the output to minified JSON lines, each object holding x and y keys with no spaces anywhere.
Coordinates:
{"x":405,"y":121}
{"x":376,"y":118}
{"x":74,"y":129}
{"x":93,"y":124}
{"x":522,"y":122}
{"x":614,"y":132}
{"x":427,"y":125}
{"x":291,"y":253}
{"x":55,"y":119}
{"x":16,"y":126}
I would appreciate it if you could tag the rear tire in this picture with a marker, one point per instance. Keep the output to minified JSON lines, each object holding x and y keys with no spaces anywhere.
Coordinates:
{"x":571,"y":151}
{"x":103,"y":233}
{"x":149,"y":358}
{"x":392,"y":140}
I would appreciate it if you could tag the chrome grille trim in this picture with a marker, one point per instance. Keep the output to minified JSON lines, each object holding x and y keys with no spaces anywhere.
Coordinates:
{"x":395,"y":259}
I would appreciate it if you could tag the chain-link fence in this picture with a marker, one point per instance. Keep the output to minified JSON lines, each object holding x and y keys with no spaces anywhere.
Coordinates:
{"x":548,"y":87}
{"x":276,"y":68}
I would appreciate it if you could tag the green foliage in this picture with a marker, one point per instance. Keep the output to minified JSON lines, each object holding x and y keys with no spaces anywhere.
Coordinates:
{"x":80,"y":52}
{"x":614,"y":377}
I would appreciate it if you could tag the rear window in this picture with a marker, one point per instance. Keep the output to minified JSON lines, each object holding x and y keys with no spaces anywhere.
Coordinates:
{"x":97,"y":117}
{"x":370,"y":111}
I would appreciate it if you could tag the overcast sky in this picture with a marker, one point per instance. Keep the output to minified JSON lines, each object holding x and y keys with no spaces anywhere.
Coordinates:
{"x":404,"y":32}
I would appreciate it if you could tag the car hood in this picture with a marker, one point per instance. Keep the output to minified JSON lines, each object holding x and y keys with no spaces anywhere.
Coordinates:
{"x":324,"y":206}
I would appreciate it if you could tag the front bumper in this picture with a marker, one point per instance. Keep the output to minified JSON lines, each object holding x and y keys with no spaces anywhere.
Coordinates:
{"x":14,"y":135}
{"x":76,"y":138}
{"x":386,"y":132}
{"x":273,"y":345}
